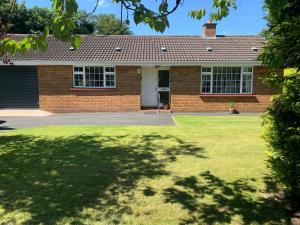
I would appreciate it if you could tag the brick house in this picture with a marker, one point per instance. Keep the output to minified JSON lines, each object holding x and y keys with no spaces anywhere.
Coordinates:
{"x":127,"y":73}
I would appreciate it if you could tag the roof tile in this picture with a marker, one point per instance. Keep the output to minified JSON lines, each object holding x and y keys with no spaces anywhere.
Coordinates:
{"x":148,"y":49}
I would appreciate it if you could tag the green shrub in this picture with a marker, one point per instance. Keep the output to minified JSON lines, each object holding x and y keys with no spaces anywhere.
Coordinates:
{"x":281,"y":125}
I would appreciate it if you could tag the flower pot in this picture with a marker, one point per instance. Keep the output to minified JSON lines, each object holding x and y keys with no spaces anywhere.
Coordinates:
{"x":166,"y":107}
{"x":232,"y":110}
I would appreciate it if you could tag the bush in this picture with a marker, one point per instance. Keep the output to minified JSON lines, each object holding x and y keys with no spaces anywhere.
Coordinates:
{"x":281,"y":125}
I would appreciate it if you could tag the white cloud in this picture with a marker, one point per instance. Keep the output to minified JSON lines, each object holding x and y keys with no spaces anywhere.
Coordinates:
{"x":103,"y":4}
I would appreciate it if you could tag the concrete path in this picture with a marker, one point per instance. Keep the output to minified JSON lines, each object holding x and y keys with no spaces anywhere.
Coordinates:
{"x":87,"y":119}
{"x":24,"y":112}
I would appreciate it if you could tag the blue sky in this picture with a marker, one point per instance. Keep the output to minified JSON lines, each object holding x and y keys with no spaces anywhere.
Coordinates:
{"x":247,"y":19}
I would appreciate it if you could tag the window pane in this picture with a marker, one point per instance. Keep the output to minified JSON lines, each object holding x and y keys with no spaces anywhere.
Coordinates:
{"x":109,"y":69}
{"x":78,"y":78}
{"x":94,"y":76}
{"x":226,"y":80}
{"x":110,"y":80}
{"x":206,"y":83}
{"x":247,"y":83}
{"x":247,"y":69}
{"x":163,"y":78}
{"x":206,"y":69}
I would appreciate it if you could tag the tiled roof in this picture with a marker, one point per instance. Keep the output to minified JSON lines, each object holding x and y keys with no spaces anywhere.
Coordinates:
{"x":149,"y":49}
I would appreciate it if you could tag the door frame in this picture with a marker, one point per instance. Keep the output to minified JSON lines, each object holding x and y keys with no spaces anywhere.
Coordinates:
{"x":155,"y":70}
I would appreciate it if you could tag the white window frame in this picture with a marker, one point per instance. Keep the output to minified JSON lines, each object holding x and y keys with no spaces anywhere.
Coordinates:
{"x":79,"y":73}
{"x":241,"y":80}
{"x":247,"y":73}
{"x":104,"y":77}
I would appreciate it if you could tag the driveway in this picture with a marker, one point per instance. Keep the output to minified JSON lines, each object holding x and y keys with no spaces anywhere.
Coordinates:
{"x":14,"y":122}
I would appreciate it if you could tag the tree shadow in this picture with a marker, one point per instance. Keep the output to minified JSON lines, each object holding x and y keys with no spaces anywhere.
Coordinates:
{"x":228,"y":200}
{"x":6,"y":128}
{"x":57,"y":178}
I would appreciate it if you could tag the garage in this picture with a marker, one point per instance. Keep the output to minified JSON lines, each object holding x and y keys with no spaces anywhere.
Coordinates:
{"x":18,"y":87}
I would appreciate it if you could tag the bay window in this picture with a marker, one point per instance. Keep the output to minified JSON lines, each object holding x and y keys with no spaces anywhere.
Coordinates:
{"x":226,"y":80}
{"x":94,"y":77}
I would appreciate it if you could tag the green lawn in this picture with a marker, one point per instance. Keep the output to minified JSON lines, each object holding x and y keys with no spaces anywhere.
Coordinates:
{"x":206,"y":170}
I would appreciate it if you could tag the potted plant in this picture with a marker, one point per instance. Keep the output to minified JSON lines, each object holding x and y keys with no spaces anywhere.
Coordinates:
{"x":232,"y":109}
{"x":166,"y":107}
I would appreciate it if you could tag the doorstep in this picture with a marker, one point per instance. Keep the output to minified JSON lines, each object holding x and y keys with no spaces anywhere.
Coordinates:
{"x":154,"y":111}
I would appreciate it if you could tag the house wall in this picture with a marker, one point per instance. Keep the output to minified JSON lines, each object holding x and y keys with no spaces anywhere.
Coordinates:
{"x":185,"y":93}
{"x":55,"y":94}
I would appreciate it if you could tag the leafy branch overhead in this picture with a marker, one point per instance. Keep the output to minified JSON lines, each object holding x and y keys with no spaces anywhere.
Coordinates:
{"x":65,"y":13}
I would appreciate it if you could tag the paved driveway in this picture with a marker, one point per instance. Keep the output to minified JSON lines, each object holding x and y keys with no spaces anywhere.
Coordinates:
{"x":87,"y":119}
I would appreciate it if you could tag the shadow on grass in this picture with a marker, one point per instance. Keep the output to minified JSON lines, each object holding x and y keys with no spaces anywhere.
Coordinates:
{"x":57,"y":178}
{"x":6,"y":128}
{"x":228,"y":200}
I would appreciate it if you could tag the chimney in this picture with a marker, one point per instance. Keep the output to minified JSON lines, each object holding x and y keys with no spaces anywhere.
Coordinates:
{"x":209,"y":30}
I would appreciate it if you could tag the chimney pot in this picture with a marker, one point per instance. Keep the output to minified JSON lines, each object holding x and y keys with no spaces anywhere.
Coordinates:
{"x":209,"y":30}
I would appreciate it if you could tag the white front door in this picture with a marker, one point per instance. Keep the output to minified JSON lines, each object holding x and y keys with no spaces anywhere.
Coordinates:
{"x":149,"y":87}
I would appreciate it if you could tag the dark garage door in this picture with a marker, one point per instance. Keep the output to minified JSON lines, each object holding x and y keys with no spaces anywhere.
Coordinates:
{"x":18,"y":87}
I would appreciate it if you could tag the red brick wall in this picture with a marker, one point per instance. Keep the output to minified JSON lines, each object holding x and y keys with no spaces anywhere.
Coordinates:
{"x":55,"y":83}
{"x":185,"y":93}
{"x":55,"y":94}
{"x":210,"y":29}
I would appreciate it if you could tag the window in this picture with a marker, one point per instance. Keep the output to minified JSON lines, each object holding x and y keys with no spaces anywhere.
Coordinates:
{"x":94,"y":77}
{"x":206,"y":79}
{"x":226,"y":80}
{"x":163,"y":78}
{"x":247,"y":80}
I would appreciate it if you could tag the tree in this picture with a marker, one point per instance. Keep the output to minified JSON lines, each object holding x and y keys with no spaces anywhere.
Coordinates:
{"x":27,"y":21}
{"x":85,"y":24}
{"x":282,"y":120}
{"x":109,"y":24}
{"x":66,"y":12}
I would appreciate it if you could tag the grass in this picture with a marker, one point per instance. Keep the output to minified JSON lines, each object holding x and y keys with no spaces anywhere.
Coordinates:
{"x":206,"y":170}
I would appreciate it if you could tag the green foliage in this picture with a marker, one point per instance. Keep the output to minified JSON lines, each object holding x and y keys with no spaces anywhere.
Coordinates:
{"x":282,"y":49}
{"x":6,"y":9}
{"x":66,"y":20}
{"x":85,"y":24}
{"x":282,"y":120}
{"x":61,"y":26}
{"x":282,"y":132}
{"x":221,"y":9}
{"x":24,"y":20}
{"x":197,"y":14}
{"x":109,"y":24}
{"x":231,"y":104}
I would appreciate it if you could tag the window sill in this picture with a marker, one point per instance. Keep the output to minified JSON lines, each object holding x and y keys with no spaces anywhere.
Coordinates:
{"x":227,"y":95}
{"x":91,"y":89}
